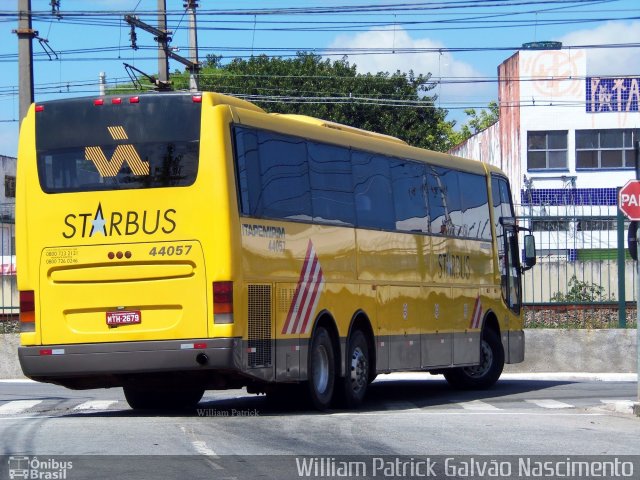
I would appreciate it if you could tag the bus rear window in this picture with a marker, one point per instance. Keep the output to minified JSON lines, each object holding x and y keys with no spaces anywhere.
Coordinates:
{"x":82,"y":146}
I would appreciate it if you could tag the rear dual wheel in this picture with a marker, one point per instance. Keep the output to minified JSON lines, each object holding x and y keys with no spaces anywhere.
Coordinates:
{"x":323,"y":368}
{"x":356,"y":380}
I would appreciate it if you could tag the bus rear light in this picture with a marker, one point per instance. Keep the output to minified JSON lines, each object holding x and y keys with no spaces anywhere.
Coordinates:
{"x":134,"y":99}
{"x":39,"y":108}
{"x":27,"y":311}
{"x":223,"y":302}
{"x":197,"y":98}
{"x":116,"y":101}
{"x":98,"y":102}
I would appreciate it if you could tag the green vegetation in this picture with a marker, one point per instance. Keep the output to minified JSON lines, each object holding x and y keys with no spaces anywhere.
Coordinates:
{"x":582,"y":292}
{"x":396,"y":104}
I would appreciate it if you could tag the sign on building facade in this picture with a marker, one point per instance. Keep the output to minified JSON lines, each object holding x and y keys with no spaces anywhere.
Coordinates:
{"x":610,"y":94}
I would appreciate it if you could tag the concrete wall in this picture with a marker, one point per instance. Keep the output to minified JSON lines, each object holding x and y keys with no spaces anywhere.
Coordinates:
{"x":596,"y":351}
{"x":547,"y":350}
{"x":9,"y":365}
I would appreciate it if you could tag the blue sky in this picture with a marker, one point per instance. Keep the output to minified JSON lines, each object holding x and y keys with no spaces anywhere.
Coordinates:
{"x":498,"y":27}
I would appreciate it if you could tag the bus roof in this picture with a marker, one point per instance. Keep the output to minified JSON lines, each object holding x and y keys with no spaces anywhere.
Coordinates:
{"x":339,"y":126}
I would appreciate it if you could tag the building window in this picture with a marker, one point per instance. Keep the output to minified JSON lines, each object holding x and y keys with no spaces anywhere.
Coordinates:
{"x":547,"y":150}
{"x":605,"y":148}
{"x":9,"y":186}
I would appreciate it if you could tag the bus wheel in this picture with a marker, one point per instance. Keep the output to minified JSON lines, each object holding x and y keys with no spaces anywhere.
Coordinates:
{"x":155,"y":398}
{"x":321,"y":376}
{"x":487,"y":372}
{"x":356,"y":379}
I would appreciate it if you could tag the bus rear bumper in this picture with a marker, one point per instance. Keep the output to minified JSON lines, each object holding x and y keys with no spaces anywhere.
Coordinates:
{"x":56,"y":363}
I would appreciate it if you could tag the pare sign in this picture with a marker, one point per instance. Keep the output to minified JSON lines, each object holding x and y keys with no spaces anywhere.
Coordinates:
{"x":629,"y":199}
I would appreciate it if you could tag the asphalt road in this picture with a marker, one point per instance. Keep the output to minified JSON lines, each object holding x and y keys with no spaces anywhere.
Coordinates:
{"x":407,"y":415}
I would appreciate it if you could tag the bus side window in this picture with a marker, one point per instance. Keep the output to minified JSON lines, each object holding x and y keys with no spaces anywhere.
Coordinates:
{"x":372,"y":189}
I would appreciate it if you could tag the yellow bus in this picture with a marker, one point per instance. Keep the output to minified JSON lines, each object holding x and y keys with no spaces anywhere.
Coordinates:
{"x":174,"y":243}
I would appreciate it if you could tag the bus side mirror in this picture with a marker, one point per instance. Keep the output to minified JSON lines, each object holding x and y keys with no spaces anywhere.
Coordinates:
{"x":529,"y":252}
{"x":632,"y":240}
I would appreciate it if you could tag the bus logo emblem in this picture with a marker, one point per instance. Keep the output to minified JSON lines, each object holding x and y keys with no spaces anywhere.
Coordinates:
{"x":305,"y":300}
{"x":123,"y":154}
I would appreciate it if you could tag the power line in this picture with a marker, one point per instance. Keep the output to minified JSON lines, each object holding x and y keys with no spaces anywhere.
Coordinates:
{"x":292,"y":52}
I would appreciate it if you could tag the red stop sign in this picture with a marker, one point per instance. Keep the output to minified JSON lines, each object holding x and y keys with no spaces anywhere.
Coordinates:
{"x":629,"y":199}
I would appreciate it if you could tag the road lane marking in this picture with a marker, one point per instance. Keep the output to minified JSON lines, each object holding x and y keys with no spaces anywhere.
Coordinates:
{"x":549,"y":403}
{"x":477,"y":405}
{"x":18,"y":406}
{"x":94,"y":405}
{"x":202,"y":448}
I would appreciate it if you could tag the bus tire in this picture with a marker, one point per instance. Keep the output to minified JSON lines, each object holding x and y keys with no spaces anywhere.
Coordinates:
{"x":155,"y":399}
{"x":356,"y":379}
{"x":321,"y":370}
{"x":487,"y":372}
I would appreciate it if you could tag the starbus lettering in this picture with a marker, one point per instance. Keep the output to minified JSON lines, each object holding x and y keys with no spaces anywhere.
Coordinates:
{"x":454,"y":266}
{"x":132,"y":222}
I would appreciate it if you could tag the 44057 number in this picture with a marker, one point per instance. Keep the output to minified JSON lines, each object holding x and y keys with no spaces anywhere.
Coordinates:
{"x":170,"y":251}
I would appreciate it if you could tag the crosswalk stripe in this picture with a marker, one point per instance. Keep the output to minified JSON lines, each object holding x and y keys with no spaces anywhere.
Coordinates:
{"x":549,"y":403}
{"x":18,"y":406}
{"x":478,"y":405}
{"x":95,"y":405}
{"x":621,"y":406}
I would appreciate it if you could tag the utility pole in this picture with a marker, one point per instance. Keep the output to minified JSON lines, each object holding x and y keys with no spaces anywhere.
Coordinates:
{"x":163,"y":39}
{"x":25,"y":60}
{"x":191,"y":5}
{"x":163,"y":47}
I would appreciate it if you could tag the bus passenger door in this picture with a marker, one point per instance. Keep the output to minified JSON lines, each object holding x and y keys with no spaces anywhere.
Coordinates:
{"x":510,"y":269}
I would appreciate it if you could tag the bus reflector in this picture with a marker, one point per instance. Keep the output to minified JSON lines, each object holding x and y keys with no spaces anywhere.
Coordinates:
{"x":134,"y":100}
{"x":27,"y":311}
{"x":116,"y":101}
{"x":50,"y":351}
{"x":98,"y":101}
{"x":223,"y":302}
{"x":197,"y":98}
{"x":39,"y":108}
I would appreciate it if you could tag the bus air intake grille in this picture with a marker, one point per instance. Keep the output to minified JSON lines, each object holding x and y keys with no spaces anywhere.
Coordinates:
{"x":259,"y":326}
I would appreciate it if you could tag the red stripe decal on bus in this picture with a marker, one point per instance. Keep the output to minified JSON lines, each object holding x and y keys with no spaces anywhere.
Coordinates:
{"x":305,"y":299}
{"x":477,"y":314}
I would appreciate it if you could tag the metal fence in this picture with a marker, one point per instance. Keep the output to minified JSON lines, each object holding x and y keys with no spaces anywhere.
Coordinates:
{"x":584,"y":277}
{"x":9,"y":302}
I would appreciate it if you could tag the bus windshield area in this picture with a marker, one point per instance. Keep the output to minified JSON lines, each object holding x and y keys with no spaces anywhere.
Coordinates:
{"x":115,"y":167}
{"x":91,"y":144}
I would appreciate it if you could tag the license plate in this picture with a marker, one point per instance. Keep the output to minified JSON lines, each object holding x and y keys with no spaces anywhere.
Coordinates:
{"x":124,"y":317}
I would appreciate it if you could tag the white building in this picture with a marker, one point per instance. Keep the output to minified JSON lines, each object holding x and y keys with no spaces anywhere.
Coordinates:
{"x":565,"y":139}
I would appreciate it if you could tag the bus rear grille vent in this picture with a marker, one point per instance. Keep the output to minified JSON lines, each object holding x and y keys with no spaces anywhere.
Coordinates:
{"x":259,"y":325}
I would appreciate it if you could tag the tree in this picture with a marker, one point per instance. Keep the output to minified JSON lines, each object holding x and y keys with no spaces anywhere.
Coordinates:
{"x":395,"y":104}
{"x":477,"y":122}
